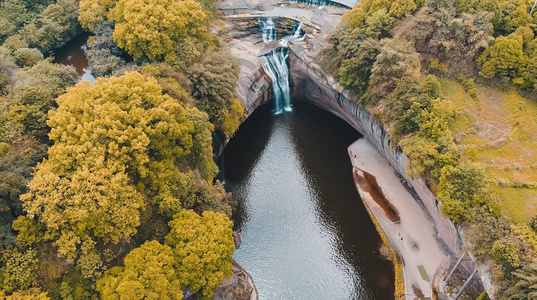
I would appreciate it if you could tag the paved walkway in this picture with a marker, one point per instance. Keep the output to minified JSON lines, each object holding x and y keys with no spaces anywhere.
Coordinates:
{"x":413,"y":235}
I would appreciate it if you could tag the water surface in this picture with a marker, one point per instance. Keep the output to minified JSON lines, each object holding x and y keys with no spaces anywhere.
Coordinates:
{"x":73,"y":54}
{"x":306,"y":233}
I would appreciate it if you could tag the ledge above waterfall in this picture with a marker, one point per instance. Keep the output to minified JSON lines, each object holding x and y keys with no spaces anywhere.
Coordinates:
{"x":269,"y":48}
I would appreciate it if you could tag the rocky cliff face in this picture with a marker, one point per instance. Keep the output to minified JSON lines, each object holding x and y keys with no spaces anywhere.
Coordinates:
{"x":253,"y":89}
{"x":316,"y":87}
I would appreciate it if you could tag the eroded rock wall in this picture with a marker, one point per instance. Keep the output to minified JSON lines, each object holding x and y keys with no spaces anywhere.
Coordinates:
{"x":253,"y":88}
{"x":310,"y":84}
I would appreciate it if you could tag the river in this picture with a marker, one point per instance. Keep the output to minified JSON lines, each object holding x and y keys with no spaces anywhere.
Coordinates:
{"x":73,"y":54}
{"x":306,"y":233}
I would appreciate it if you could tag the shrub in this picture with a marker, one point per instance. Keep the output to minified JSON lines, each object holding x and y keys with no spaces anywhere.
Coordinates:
{"x":27,"y":57}
{"x":505,"y":255}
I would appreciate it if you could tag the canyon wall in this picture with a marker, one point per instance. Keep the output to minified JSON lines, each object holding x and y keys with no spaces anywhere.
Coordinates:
{"x":320,"y":89}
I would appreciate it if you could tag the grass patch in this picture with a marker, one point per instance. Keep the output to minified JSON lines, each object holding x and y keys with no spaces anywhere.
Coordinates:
{"x":498,"y":130}
{"x":520,"y":204}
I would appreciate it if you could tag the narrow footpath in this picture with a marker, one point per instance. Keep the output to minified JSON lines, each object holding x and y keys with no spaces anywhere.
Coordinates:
{"x":403,"y":221}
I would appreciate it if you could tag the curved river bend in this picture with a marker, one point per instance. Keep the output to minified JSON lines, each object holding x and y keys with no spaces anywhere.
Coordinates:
{"x":306,"y":234}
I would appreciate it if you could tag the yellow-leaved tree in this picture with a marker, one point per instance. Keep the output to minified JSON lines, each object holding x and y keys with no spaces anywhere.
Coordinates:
{"x":154,"y":28}
{"x":116,"y":144}
{"x":93,"y":12}
{"x":148,"y":273}
{"x":203,"y":249}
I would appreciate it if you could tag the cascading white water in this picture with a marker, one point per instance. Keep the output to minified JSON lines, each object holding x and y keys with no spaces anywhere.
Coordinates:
{"x":268,"y":30}
{"x":275,"y":64}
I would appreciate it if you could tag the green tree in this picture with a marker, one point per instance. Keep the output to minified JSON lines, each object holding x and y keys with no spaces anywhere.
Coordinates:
{"x":422,"y":153}
{"x":29,"y":294}
{"x":355,"y":71}
{"x":201,"y":155}
{"x":129,"y":123}
{"x":26,"y":57}
{"x":148,"y":273}
{"x":430,"y":86}
{"x":402,"y":8}
{"x":477,"y":6}
{"x":155,"y":28}
{"x":524,"y":283}
{"x":233,"y":117}
{"x":93,"y":12}
{"x":505,"y":255}
{"x":460,"y":188}
{"x":379,"y":24}
{"x":354,"y":18}
{"x":505,"y":58}
{"x":213,"y":83}
{"x":74,"y":286}
{"x":203,"y":249}
{"x":371,"y":6}
{"x":514,"y":14}
{"x":57,"y":22}
{"x":30,"y":109}
{"x":397,"y":59}
{"x":116,"y":143}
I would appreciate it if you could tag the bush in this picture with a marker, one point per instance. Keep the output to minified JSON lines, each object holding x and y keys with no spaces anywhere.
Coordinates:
{"x":469,"y":87}
{"x":505,"y":255}
{"x":397,"y":59}
{"x":4,"y":149}
{"x":505,"y":58}
{"x":19,"y":270}
{"x":27,"y":57}
{"x":430,"y":86}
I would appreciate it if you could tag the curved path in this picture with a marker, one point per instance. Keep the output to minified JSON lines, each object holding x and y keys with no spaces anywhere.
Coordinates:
{"x":413,"y":235}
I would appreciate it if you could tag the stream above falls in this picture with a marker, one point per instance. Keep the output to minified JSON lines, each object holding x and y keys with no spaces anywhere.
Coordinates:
{"x":305,"y":231}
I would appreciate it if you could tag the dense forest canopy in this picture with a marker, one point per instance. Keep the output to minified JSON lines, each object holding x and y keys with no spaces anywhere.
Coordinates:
{"x":433,"y":72}
{"x":107,"y":190}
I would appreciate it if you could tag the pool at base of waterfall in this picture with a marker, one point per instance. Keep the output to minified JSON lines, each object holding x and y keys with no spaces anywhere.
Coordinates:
{"x":305,"y":231}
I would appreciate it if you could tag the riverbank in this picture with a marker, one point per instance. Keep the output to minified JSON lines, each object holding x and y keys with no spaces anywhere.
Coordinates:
{"x":408,"y":230}
{"x":240,"y":286}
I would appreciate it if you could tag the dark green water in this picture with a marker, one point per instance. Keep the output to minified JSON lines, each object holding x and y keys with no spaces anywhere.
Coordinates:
{"x":306,"y":233}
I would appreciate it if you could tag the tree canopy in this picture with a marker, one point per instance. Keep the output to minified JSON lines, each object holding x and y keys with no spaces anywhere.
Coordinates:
{"x":203,"y":248}
{"x":154,"y":28}
{"x":149,"y":273}
{"x":116,"y":143}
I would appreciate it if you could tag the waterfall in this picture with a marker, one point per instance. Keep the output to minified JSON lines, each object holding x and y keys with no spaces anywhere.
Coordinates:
{"x":275,"y":64}
{"x":268,"y":30}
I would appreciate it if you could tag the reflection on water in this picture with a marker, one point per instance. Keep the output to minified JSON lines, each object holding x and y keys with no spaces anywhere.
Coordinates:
{"x":306,"y":234}
{"x":73,"y":54}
